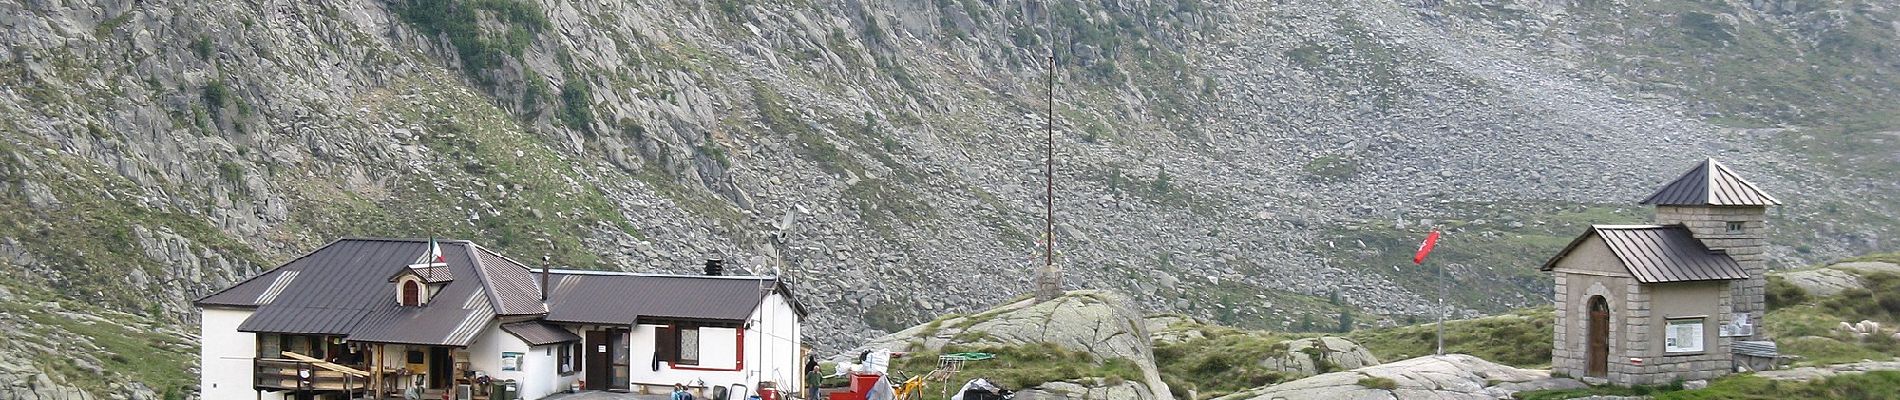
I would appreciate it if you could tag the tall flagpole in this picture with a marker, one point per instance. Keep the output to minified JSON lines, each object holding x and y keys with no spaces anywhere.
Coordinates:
{"x":1441,"y":310}
{"x":1049,"y":285}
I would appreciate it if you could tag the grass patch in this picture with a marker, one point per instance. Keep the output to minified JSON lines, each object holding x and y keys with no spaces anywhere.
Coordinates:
{"x":1024,"y":366}
{"x":1809,"y":327}
{"x":1378,"y":383}
{"x":1223,"y":362}
{"x":1520,"y":339}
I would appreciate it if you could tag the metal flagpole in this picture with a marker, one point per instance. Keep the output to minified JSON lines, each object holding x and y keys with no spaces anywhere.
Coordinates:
{"x":1441,"y":310}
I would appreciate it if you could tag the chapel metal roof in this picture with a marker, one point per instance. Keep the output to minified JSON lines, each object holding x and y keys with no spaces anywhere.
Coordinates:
{"x":1710,"y":184}
{"x":1659,"y":253}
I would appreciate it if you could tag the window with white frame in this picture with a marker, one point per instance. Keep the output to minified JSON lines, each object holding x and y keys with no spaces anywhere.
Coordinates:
{"x":1683,"y":335}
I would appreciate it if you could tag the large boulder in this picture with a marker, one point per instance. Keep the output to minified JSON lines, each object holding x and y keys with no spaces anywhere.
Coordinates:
{"x":1096,"y":322}
{"x":1868,"y":267}
{"x":1823,"y":281}
{"x":1452,"y":377}
{"x":1310,"y":356}
{"x":1091,"y":389}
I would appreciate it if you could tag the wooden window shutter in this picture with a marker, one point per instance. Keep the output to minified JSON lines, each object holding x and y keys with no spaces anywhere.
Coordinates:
{"x":666,"y":343}
{"x":411,"y":294}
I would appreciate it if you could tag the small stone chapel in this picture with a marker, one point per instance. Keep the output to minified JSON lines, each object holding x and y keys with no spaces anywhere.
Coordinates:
{"x":1651,"y":304}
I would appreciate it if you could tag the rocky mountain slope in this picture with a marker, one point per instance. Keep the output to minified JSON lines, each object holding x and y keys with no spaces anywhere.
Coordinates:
{"x":1239,"y":161}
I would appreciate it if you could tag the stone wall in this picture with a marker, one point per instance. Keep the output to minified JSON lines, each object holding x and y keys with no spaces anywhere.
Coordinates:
{"x":1641,"y":341}
{"x":1747,"y":247}
{"x":1570,"y":346}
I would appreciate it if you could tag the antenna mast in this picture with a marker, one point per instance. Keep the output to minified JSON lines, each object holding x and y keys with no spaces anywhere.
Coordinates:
{"x":1049,"y":283}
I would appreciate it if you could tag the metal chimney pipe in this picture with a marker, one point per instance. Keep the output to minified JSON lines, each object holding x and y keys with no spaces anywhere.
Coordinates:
{"x":546,"y":260}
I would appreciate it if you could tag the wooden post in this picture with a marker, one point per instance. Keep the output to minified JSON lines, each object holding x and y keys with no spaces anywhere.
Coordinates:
{"x":376,"y":372}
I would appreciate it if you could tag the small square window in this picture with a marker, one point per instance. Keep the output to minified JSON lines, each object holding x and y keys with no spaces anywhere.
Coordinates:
{"x":1736,"y":226}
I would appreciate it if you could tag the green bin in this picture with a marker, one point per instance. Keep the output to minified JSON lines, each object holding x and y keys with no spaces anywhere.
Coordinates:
{"x":503,"y":390}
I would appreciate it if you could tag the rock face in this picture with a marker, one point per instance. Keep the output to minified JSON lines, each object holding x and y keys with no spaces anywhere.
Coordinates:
{"x":1452,"y":376}
{"x":1309,"y":356}
{"x":1098,"y":322}
{"x":1095,"y":389}
{"x":26,"y":383}
{"x":1812,"y":373}
{"x":1823,"y":281}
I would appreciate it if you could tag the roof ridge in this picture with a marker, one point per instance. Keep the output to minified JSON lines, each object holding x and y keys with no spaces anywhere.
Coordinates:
{"x":388,"y":239}
{"x":1711,"y":167}
{"x":1631,"y":226}
{"x":1744,"y":181}
{"x":589,"y":272}
{"x":481,"y":274}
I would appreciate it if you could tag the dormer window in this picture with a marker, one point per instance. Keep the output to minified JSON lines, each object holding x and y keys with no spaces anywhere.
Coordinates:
{"x":1736,"y":226}
{"x":411,"y":293}
{"x":415,"y":284}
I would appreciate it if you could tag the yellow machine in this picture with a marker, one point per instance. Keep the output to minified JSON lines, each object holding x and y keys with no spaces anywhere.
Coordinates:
{"x":913,"y":387}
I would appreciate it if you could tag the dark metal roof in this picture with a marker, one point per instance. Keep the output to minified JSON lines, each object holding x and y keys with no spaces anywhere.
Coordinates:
{"x":303,"y":320}
{"x":611,"y":298}
{"x":538,"y":333}
{"x":1659,"y":253}
{"x":342,"y":289}
{"x":450,"y":319}
{"x":511,"y":286}
{"x":1710,"y":184}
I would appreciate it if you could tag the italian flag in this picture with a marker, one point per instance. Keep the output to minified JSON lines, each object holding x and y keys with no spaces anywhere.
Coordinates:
{"x":434,"y":256}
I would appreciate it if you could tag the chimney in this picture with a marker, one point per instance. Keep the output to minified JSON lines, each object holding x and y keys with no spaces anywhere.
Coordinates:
{"x":715,"y":267}
{"x":546,"y":260}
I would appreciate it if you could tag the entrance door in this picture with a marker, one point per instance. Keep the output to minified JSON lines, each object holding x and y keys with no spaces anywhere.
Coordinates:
{"x":440,"y":367}
{"x":599,"y":366}
{"x":1599,"y":354}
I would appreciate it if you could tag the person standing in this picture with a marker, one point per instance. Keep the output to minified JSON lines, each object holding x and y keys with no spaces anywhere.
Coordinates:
{"x":812,"y":377}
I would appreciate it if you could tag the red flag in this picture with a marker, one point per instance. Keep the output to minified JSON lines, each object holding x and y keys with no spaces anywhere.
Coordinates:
{"x":1425,"y":248}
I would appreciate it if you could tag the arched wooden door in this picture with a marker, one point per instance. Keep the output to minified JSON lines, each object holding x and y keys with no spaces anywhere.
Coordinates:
{"x":1599,"y":353}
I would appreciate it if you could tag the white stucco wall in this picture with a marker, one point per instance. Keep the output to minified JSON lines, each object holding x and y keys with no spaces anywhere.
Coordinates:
{"x":771,"y":352}
{"x":539,"y":375}
{"x":225,"y":355}
{"x":778,"y":340}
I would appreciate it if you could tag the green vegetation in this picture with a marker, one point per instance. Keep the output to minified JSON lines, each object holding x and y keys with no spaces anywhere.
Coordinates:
{"x":1492,"y":245}
{"x":1024,"y":366}
{"x":217,"y":96}
{"x":1520,"y":339}
{"x":577,"y":106}
{"x":1331,"y":168}
{"x":1808,"y":326}
{"x":203,"y":46}
{"x":1378,"y":383}
{"x":1223,"y":361}
{"x":461,"y":22}
{"x":126,"y":349}
{"x":1868,"y":386}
